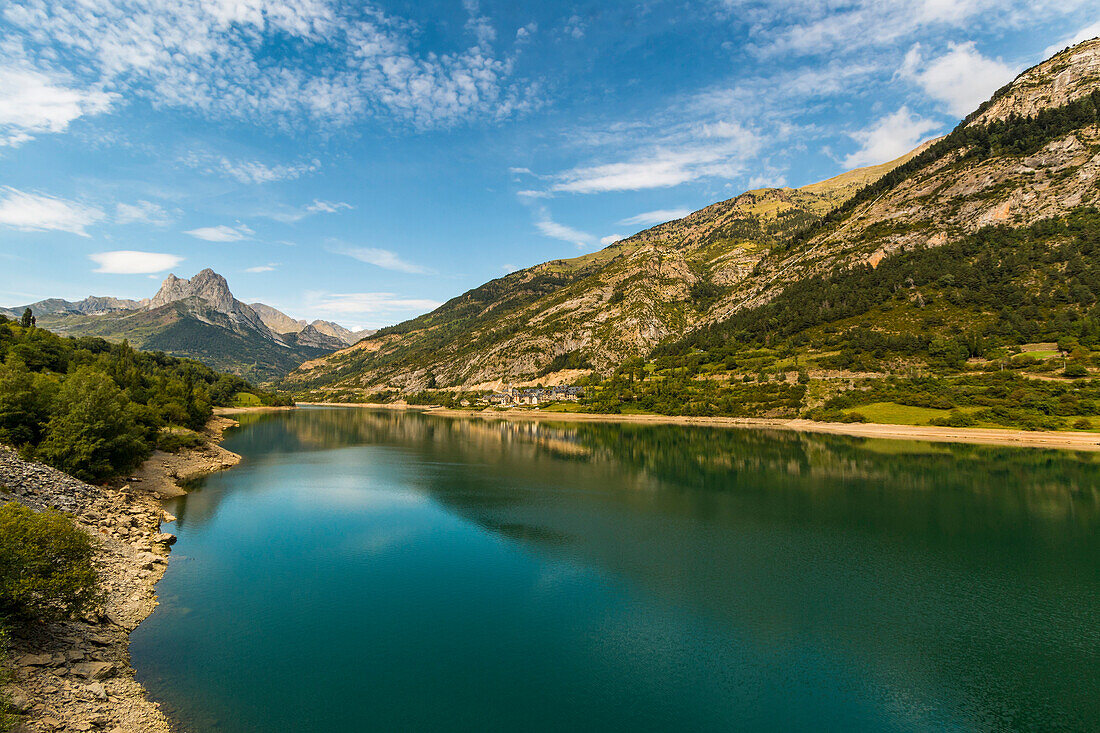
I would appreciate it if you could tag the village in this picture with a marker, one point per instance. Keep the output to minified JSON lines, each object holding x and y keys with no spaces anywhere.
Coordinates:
{"x":533,"y":396}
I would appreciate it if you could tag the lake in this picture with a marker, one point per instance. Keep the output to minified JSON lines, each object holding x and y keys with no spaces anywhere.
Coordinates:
{"x":378,"y":570}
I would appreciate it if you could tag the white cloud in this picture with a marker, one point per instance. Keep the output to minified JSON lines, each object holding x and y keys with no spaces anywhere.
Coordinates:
{"x":249,"y":171}
{"x":144,"y":212}
{"x":716,"y":149}
{"x":327,"y":207}
{"x":221,"y":233}
{"x":369,"y":309}
{"x":32,"y":103}
{"x":129,"y":262}
{"x":889,"y":138}
{"x":554,"y":230}
{"x":383,"y":258}
{"x":263,"y":268}
{"x":1089,"y":31}
{"x":961,"y":78}
{"x":611,"y":239}
{"x":660,"y":216}
{"x":35,"y":212}
{"x":829,"y":26}
{"x":575,"y":27}
{"x":215,"y":57}
{"x":767,"y":180}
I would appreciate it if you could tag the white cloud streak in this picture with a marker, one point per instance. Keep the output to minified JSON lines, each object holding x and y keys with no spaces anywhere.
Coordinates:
{"x":221,"y":233}
{"x":36,"y":212}
{"x":383,"y":258}
{"x":130,"y":262}
{"x":142,"y":212}
{"x":249,"y":171}
{"x":660,"y":216}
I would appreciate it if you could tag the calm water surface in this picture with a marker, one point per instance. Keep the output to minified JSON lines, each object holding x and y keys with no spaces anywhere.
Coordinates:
{"x":369,"y":570}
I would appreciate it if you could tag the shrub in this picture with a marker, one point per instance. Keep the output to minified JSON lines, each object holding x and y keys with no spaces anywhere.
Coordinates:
{"x":854,"y":417}
{"x":954,"y":419}
{"x":46,"y":569}
{"x":1083,"y":424}
{"x":1075,"y":371}
{"x":173,"y":440}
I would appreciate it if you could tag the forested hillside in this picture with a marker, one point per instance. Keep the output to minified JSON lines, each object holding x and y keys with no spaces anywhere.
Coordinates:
{"x":95,"y":409}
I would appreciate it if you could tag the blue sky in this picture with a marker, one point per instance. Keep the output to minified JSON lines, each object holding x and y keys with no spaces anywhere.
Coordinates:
{"x":362,"y":162}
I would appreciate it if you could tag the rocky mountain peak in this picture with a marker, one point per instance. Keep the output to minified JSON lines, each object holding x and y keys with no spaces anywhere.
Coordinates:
{"x":1064,"y":77}
{"x":207,"y":285}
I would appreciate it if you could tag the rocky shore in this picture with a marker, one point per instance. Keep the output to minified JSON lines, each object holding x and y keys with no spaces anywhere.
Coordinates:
{"x":76,"y":675}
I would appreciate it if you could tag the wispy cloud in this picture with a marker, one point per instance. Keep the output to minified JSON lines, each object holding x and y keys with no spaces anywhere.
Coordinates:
{"x":270,"y":266}
{"x":660,"y":216}
{"x":371,"y":310}
{"x":889,"y":138}
{"x":383,"y":258}
{"x":142,"y":212}
{"x":555,"y":230}
{"x":32,"y":103}
{"x":249,"y":171}
{"x":221,"y":233}
{"x":611,"y":239}
{"x":1083,"y":34}
{"x":693,"y":152}
{"x":36,"y":212}
{"x":214,"y":58}
{"x":291,"y":215}
{"x":130,"y":262}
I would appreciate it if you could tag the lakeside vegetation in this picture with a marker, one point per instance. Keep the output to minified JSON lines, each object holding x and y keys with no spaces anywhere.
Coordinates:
{"x":96,"y":409}
{"x":46,"y":574}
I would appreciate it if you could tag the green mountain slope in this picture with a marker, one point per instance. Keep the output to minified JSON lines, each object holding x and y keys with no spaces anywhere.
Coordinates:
{"x":590,"y":311}
{"x":698,"y":304}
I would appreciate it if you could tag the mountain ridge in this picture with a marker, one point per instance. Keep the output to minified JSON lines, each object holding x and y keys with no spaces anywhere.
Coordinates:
{"x":599,"y":310}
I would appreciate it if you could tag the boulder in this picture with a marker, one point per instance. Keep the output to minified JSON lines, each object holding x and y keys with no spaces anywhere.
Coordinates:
{"x":94,"y":670}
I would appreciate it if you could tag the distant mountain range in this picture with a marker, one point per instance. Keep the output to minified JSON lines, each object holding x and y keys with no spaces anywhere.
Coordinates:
{"x":198,"y":318}
{"x":1028,"y":154}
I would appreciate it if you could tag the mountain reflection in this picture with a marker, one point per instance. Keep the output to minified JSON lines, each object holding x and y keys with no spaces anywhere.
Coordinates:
{"x":945,"y":567}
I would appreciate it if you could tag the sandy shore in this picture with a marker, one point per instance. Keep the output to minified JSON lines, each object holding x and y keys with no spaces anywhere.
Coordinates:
{"x":76,"y":675}
{"x":1081,"y":441}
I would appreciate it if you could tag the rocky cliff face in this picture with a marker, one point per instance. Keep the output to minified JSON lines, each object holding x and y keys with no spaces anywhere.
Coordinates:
{"x":597,"y":310}
{"x":590,"y":311}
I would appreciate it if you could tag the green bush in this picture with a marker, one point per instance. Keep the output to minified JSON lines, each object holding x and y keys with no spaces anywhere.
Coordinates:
{"x":1082,"y":424}
{"x":1075,"y":371}
{"x":954,"y":419}
{"x":173,"y":440}
{"x":854,"y":417}
{"x":94,"y":432}
{"x":46,"y":569}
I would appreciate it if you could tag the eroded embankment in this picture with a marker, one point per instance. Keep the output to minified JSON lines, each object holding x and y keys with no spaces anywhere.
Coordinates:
{"x":76,"y":675}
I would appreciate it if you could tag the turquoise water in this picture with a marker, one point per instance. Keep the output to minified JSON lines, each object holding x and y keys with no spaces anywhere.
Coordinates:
{"x":367,"y":570}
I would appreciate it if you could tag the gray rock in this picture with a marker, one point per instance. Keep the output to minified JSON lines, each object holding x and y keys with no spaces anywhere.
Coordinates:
{"x":94,"y":670}
{"x":34,"y":660}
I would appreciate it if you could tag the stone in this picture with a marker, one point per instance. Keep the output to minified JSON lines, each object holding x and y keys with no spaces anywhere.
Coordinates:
{"x":34,"y":660}
{"x":164,"y":538}
{"x":95,"y":670}
{"x":20,"y":703}
{"x":96,"y":690}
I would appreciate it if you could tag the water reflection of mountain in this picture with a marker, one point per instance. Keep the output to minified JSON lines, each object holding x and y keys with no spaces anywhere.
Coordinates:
{"x":962,"y":568}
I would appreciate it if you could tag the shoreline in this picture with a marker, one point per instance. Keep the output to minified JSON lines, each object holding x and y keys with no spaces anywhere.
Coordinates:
{"x":76,"y":675}
{"x":1077,"y":441}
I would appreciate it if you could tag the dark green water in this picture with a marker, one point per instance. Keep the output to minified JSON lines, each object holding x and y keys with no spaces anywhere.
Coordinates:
{"x":377,"y":571}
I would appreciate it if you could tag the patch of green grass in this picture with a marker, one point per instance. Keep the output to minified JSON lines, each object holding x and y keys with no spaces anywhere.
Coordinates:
{"x":246,"y":399}
{"x":891,"y":413}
